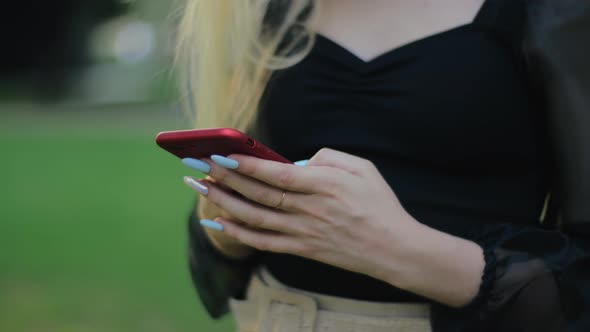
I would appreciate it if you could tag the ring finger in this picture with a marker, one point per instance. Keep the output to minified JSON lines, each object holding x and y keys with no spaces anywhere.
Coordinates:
{"x":250,"y":213}
{"x":253,"y":189}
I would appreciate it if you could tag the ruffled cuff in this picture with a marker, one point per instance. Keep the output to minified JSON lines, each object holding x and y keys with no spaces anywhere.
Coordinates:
{"x":488,"y":279}
{"x":526,"y":284}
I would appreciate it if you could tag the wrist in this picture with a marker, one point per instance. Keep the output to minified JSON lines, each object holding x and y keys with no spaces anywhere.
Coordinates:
{"x":436,"y":265}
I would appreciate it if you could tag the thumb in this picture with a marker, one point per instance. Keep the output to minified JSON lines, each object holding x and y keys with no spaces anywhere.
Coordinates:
{"x":338,"y":159}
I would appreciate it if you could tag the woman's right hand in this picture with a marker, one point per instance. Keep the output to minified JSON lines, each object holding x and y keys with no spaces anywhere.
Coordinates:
{"x":225,"y":244}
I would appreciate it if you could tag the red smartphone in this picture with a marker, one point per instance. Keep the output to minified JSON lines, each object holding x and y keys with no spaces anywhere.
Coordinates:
{"x":202,"y":143}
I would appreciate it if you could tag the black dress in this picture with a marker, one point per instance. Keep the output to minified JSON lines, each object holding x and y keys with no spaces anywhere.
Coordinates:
{"x":456,"y":124}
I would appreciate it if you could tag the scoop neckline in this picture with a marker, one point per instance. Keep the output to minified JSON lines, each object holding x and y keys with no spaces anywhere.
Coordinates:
{"x":352,"y":58}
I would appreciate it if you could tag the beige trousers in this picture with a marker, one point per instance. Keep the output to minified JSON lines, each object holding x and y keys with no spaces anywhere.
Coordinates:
{"x":273,"y":307}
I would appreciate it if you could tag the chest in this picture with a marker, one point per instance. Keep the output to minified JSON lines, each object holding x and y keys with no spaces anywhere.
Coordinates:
{"x":370,"y":28}
{"x":455,"y":101}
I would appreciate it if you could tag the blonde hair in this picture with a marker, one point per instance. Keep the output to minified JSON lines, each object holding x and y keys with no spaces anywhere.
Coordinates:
{"x":227,"y":49}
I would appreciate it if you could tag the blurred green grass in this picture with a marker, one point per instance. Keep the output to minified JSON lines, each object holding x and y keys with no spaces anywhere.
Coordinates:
{"x":92,"y":225}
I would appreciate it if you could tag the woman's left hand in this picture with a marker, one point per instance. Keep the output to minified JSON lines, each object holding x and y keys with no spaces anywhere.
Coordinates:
{"x":337,"y":210}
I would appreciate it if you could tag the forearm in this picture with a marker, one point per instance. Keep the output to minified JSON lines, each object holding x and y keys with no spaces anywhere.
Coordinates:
{"x":436,"y":265}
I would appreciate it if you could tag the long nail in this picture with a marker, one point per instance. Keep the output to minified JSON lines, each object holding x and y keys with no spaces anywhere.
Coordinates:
{"x":197,"y":164}
{"x":196,"y":184}
{"x":301,"y":162}
{"x":214,"y":225}
{"x":225,"y":162}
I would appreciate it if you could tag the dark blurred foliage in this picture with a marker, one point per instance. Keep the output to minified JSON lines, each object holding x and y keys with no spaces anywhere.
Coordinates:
{"x":44,"y":44}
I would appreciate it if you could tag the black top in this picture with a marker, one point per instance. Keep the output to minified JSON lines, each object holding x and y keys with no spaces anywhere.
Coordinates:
{"x":456,"y":127}
{"x":449,"y":120}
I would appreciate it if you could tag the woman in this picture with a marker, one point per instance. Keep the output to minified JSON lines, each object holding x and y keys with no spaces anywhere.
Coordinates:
{"x":431,"y":208}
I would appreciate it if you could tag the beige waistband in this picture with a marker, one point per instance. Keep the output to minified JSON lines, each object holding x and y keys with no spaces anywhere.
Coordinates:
{"x":273,"y":306}
{"x":344,"y":305}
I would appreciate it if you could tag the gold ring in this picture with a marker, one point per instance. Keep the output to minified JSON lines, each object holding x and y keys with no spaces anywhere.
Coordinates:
{"x":281,"y":201}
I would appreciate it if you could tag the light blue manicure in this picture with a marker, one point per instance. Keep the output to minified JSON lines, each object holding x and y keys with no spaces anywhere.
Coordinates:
{"x":302,"y":162}
{"x":196,"y":184}
{"x":225,"y":162}
{"x":214,"y":225}
{"x":197,"y":164}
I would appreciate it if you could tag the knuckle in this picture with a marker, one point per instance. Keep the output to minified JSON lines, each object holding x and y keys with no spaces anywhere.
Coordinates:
{"x":232,"y":232}
{"x":221,"y":175}
{"x":294,"y":202}
{"x":322,"y":155}
{"x":238,"y":234}
{"x":367,"y":164}
{"x":211,"y":198}
{"x":262,"y":196}
{"x":254,"y":222}
{"x":262,"y":244}
{"x":286,"y":179}
{"x":235,"y":233}
{"x":325,"y":151}
{"x":248,"y":168}
{"x":259,"y":221}
{"x":304,"y":250}
{"x":266,"y":220}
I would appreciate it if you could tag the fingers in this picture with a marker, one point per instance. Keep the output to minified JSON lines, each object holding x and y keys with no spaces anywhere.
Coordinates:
{"x":249,"y":213}
{"x":288,"y":176}
{"x":208,"y":210}
{"x":250,"y":187}
{"x":260,"y":239}
{"x":254,"y":189}
{"x":341,"y":160}
{"x":265,"y":181}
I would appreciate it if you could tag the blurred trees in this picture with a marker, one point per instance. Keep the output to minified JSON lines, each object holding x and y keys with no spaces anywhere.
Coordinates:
{"x":44,"y":44}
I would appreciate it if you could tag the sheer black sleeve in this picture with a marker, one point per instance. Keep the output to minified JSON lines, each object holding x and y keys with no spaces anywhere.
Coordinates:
{"x":534,"y":280}
{"x":216,"y":277}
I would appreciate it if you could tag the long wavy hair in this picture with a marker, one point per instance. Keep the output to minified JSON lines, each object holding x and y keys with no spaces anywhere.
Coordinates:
{"x":227,"y":50}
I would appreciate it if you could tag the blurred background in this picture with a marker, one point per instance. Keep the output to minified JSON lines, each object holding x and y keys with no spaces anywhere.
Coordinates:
{"x":92,"y":213}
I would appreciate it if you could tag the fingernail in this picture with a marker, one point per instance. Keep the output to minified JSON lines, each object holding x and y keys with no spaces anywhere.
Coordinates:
{"x":214,"y":225}
{"x":225,"y":162}
{"x":197,"y":164}
{"x":302,"y":162}
{"x":196,"y":185}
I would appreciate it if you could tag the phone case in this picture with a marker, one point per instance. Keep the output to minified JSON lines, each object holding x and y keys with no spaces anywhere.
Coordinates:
{"x":202,"y":143}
